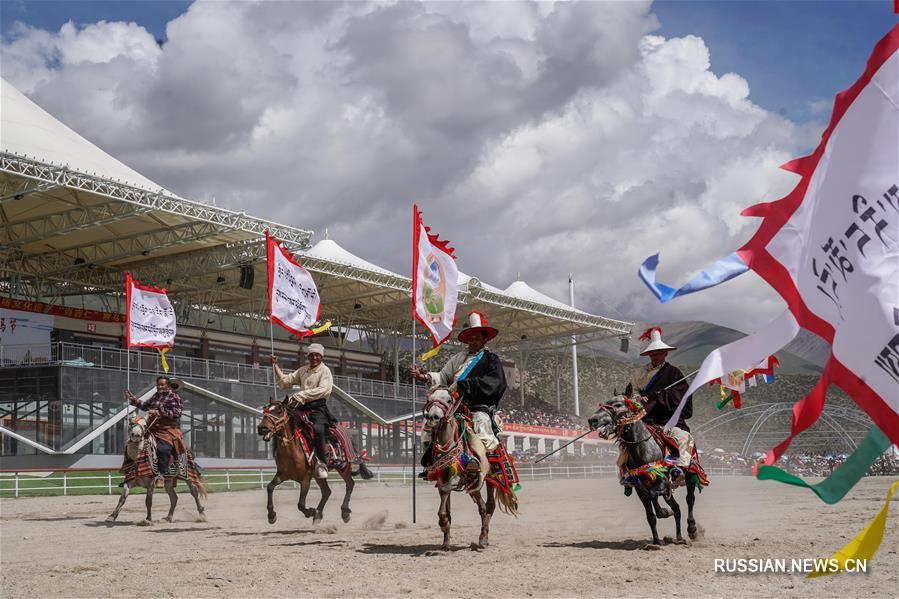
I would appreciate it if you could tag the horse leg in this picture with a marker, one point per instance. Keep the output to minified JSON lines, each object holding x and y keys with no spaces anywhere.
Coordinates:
{"x":173,"y":498}
{"x":301,"y":504}
{"x":675,"y":508}
{"x":269,"y":489}
{"x":443,"y":517}
{"x":650,"y":515}
{"x":326,"y":493}
{"x":149,"y":503}
{"x":691,"y":498}
{"x":661,"y":512}
{"x":485,"y":509}
{"x":345,"y":510}
{"x":126,"y":489}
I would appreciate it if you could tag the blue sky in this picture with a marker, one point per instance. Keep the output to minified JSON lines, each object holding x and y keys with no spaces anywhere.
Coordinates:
{"x":795,"y":54}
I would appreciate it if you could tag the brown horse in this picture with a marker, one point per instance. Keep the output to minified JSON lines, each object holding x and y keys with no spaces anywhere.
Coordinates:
{"x":452,"y":438}
{"x":291,"y":463}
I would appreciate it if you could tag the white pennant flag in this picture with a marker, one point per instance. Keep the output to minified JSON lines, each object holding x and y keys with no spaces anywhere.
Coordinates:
{"x":293,"y":297}
{"x":150,"y":317}
{"x":435,"y":282}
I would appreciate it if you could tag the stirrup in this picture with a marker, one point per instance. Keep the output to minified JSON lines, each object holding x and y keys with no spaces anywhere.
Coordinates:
{"x":321,"y":471}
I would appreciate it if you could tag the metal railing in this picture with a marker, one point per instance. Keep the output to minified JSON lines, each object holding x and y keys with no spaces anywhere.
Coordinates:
{"x":67,"y":482}
{"x":146,"y":362}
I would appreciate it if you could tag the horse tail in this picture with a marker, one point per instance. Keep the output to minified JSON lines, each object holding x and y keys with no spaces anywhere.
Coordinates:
{"x":508,"y":502}
{"x":201,"y":488}
{"x":363,"y":470}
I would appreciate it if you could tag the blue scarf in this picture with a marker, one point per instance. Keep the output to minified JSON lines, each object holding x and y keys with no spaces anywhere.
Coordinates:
{"x":471,"y":365}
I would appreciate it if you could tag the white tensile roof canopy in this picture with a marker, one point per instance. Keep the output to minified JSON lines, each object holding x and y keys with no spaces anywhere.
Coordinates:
{"x":74,"y":219}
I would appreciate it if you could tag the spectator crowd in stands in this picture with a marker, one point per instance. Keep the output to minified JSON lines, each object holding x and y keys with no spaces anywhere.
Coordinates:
{"x":540,"y":413}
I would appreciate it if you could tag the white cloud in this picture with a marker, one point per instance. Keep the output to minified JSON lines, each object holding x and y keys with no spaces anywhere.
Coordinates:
{"x":540,"y":138}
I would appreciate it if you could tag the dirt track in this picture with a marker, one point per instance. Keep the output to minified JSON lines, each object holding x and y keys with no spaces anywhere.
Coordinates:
{"x":574,"y":538}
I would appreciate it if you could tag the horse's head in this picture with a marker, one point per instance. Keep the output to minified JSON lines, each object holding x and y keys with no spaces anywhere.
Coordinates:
{"x":137,"y":429}
{"x":607,"y":415}
{"x":274,"y":419}
{"x":439,"y":403}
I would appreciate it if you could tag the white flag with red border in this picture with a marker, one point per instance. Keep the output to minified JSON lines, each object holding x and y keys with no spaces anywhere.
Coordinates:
{"x":435,"y":281}
{"x":293,"y":297}
{"x":150,"y":316}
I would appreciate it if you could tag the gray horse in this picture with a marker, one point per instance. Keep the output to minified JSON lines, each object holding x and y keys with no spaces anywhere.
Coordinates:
{"x":134,"y":449}
{"x":639,"y":448}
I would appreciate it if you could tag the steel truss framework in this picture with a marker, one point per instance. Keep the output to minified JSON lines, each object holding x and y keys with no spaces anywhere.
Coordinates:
{"x":203,"y":281}
{"x":761,"y":413}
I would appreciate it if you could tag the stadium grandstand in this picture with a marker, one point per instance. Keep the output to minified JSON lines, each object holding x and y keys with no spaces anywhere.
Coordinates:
{"x":73,"y":220}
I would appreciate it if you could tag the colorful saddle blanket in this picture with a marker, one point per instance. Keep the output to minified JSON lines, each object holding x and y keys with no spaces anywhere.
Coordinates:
{"x":694,"y":473}
{"x":339,"y":450}
{"x":146,"y":466}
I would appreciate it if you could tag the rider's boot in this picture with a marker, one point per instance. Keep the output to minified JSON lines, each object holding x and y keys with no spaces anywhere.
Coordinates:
{"x":321,"y":471}
{"x":676,"y":474}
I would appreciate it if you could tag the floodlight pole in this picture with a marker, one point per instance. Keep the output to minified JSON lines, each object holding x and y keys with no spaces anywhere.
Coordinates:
{"x":577,"y":403}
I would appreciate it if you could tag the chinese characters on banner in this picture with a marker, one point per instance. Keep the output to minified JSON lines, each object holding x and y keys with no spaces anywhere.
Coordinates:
{"x":292,"y":294}
{"x":150,"y":316}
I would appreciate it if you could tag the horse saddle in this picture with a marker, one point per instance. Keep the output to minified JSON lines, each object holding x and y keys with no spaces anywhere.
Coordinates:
{"x":666,"y":443}
{"x":335,"y":452}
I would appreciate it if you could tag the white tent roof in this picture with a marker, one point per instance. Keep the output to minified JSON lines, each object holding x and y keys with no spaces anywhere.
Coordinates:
{"x":328,"y":249}
{"x":28,"y":130}
{"x":522,"y":290}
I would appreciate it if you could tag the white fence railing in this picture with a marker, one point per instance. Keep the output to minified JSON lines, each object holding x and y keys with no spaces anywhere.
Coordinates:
{"x":66,"y":482}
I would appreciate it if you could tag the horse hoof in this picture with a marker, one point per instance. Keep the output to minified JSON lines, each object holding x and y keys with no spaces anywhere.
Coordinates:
{"x":272,"y":517}
{"x":345,"y":516}
{"x":680,"y":541}
{"x":316,"y":521}
{"x":445,"y":547}
{"x":692,"y":534}
{"x":483,"y":542}
{"x":145,"y":523}
{"x":651,"y":547}
{"x":110,"y":519}
{"x":168,"y":519}
{"x":201,"y":518}
{"x":476,"y":547}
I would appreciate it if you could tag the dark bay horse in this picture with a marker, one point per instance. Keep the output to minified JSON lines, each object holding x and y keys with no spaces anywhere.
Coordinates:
{"x":291,"y":463}
{"x":644,"y":467}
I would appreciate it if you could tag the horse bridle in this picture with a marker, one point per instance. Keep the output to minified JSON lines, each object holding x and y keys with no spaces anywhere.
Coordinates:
{"x":277,"y":423}
{"x":620,"y":426}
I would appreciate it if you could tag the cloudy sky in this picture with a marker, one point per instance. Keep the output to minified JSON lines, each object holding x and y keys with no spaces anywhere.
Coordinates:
{"x":540,"y":138}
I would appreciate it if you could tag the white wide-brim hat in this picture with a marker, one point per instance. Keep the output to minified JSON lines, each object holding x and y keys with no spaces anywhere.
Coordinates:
{"x":316,"y":348}
{"x":477,"y":323}
{"x":654,"y":335}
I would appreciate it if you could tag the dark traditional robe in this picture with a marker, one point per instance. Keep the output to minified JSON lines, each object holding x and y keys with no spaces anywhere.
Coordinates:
{"x":663,"y":402}
{"x":485,"y":384}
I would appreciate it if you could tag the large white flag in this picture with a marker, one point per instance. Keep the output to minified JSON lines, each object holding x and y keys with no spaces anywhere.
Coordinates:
{"x":435,"y":281}
{"x":292,"y":294}
{"x":150,"y":317}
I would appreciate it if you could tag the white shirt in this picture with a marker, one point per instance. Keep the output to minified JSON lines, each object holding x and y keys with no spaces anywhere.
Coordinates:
{"x":315,"y":383}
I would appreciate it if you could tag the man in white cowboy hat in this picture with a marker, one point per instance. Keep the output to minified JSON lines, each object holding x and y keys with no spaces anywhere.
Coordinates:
{"x":662,"y":386}
{"x":315,"y":385}
{"x":476,"y":374}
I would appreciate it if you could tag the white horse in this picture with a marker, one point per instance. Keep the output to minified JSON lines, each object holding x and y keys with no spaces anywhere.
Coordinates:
{"x":448,"y":443}
{"x":134,"y":449}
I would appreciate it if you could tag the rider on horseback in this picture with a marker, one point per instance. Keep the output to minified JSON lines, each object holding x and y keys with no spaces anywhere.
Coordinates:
{"x":315,"y":384}
{"x":164,"y":412}
{"x":476,"y":375}
{"x":653,"y":380}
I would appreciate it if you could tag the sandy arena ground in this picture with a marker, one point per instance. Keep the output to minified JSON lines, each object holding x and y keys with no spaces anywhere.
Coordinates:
{"x":574,"y":538}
